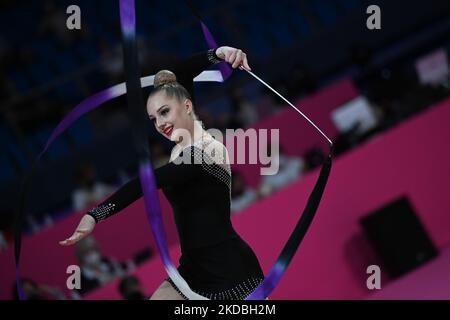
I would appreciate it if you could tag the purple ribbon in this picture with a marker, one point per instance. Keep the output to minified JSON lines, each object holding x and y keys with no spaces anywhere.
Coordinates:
{"x":84,"y":107}
{"x":148,"y":183}
{"x":223,"y":66}
{"x":151,"y":198}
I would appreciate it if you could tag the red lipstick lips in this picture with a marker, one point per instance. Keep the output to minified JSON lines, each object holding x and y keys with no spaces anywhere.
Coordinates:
{"x":168,"y":131}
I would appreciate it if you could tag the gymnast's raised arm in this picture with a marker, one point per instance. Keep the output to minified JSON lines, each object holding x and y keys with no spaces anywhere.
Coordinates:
{"x":190,"y":68}
{"x":169,"y":173}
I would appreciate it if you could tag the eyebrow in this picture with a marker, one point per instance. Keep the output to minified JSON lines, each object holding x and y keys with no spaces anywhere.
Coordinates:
{"x":164,"y":105}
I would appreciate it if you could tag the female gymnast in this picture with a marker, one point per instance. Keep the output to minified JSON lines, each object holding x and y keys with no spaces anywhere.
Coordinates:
{"x":215,"y":261}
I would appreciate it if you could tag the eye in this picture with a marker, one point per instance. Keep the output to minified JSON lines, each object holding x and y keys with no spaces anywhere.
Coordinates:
{"x":164,"y":112}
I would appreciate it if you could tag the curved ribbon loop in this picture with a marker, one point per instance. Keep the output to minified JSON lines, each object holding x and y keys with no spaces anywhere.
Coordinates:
{"x":138,"y":117}
{"x":135,"y":102}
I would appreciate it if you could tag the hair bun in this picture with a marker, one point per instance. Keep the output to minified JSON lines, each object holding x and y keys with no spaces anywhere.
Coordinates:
{"x":164,"y":77}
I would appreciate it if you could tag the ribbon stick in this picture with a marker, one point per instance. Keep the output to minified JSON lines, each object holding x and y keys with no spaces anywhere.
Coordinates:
{"x":278,"y":269}
{"x":289,"y":103}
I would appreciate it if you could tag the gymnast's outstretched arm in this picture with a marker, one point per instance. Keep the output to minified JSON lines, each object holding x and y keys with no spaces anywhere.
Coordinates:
{"x":169,"y":174}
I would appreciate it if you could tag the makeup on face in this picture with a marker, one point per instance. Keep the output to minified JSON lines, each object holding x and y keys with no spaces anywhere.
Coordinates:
{"x":170,"y":115}
{"x":162,"y":113}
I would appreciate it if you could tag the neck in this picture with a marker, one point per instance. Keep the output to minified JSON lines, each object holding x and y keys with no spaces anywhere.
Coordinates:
{"x":196,"y":134}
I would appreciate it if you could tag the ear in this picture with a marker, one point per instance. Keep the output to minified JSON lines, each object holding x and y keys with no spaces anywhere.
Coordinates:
{"x":188,"y":105}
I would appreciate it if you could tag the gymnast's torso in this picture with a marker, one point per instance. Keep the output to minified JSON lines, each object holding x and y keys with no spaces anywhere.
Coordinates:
{"x":215,"y":259}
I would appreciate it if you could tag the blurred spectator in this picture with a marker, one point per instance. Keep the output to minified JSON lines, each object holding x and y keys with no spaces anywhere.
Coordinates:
{"x":33,"y":291}
{"x":111,"y":60}
{"x":301,"y":82}
{"x":53,"y":24}
{"x":241,"y":195}
{"x":131,"y":289}
{"x":279,"y":84}
{"x":90,"y":191}
{"x":246,"y":112}
{"x":226,"y":120}
{"x":267,"y":104}
{"x":96,"y":269}
{"x":6,"y":228}
{"x":205,"y":116}
{"x":32,"y":223}
{"x":346,"y":140}
{"x":142,"y":256}
{"x":290,"y":169}
{"x":3,"y":242}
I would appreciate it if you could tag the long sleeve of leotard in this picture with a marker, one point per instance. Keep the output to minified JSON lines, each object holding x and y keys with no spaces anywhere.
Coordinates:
{"x":167,"y":175}
{"x":192,"y":67}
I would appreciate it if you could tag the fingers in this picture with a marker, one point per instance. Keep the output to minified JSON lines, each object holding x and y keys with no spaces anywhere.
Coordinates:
{"x":67,"y":242}
{"x":231,"y":57}
{"x":77,"y":236}
{"x":246,"y":65}
{"x":237,"y":58}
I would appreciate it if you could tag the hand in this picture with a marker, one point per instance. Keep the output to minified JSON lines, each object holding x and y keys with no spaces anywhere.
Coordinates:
{"x":84,"y":228}
{"x":235,"y":57}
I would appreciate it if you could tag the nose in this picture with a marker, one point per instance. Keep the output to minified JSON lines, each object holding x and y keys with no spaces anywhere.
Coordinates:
{"x":160,"y":124}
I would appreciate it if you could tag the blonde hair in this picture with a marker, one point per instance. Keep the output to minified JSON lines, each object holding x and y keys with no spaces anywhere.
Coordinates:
{"x":164,"y":77}
{"x":166,"y":80}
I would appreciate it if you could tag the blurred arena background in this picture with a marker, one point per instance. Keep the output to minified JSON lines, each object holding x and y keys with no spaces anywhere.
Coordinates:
{"x":381,"y":95}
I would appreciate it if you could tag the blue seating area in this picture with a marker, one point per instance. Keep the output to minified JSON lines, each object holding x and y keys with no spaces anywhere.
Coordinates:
{"x":37,"y":140}
{"x":263,"y":30}
{"x":13,"y":161}
{"x":81,"y":133}
{"x":326,"y":11}
{"x":281,"y":22}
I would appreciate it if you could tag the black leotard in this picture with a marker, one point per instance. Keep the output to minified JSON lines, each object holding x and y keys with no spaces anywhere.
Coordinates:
{"x":215,"y":261}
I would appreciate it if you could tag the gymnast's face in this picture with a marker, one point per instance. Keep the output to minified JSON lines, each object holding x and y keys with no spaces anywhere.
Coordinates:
{"x":170,"y":116}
